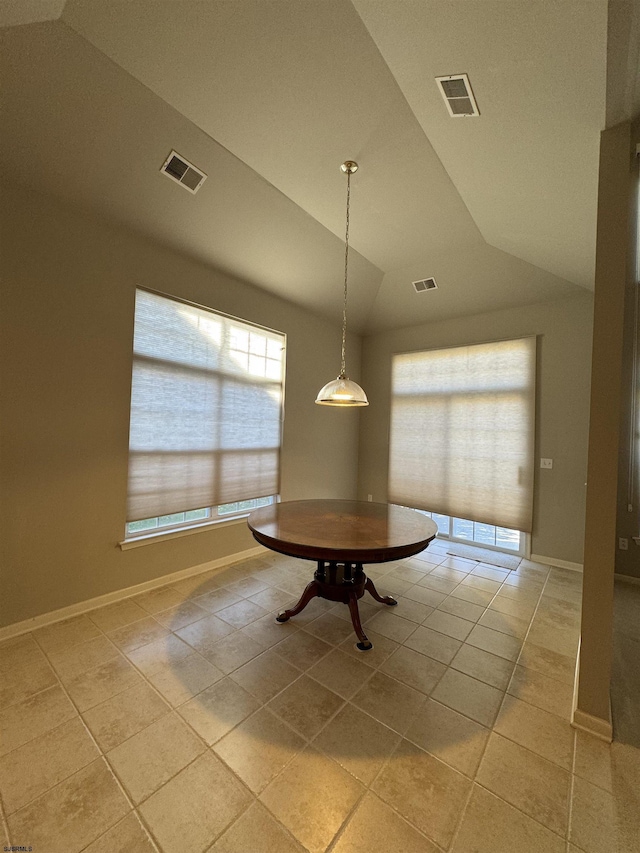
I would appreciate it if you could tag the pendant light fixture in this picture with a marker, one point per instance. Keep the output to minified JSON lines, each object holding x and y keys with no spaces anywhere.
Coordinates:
{"x":342,"y":391}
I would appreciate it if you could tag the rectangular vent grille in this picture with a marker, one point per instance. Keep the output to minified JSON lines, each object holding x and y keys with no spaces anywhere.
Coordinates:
{"x":183,"y":172}
{"x":425,"y":284}
{"x":456,"y":92}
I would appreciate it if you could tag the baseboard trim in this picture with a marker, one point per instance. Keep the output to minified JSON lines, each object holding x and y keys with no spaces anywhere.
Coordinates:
{"x":554,"y":561}
{"x":596,"y":726}
{"x":118,"y":595}
{"x":627,"y":579}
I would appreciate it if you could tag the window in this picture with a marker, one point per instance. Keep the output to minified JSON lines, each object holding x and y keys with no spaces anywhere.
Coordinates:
{"x":477,"y":533}
{"x":462,"y":432}
{"x":206,"y":414}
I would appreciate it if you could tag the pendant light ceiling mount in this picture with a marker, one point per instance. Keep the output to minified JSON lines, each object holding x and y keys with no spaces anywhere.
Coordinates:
{"x":342,"y":391}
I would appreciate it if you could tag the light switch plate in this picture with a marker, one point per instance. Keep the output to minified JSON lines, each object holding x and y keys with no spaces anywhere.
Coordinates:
{"x":546,"y":463}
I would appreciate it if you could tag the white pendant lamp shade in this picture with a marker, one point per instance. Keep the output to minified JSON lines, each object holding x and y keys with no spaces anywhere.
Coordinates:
{"x":342,"y":391}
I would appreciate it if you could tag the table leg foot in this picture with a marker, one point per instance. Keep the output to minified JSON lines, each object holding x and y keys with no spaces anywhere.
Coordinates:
{"x":383,"y":599}
{"x":365,"y":644}
{"x":311,"y":591}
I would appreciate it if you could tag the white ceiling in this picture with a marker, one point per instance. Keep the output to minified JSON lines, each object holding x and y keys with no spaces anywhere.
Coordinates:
{"x":269,"y":98}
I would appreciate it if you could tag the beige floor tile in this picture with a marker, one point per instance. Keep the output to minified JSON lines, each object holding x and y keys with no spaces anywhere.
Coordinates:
{"x":138,"y":634}
{"x":128,"y":836}
{"x":495,"y":642}
{"x":117,"y":615}
{"x":306,"y":706}
{"x":389,"y":701}
{"x":522,"y":609}
{"x":470,"y":697}
{"x":543,"y":733}
{"x":492,"y":573}
{"x":218,"y":709}
{"x":439,"y":584}
{"x":29,"y":771}
{"x":454,"y":739}
{"x":593,"y":820}
{"x":232,"y":651}
{"x":63,"y":635}
{"x":530,"y":783}
{"x":407,"y":608}
{"x":406,"y":573}
{"x":460,"y":563}
{"x":205,"y":633}
{"x":302,"y":650}
{"x":190,"y":811}
{"x":181,"y":615}
{"x":256,"y":831}
{"x":74,"y":660}
{"x":242,"y":613}
{"x":248,"y":586}
{"x":258,"y":749}
{"x":492,"y":826}
{"x":100,"y":683}
{"x":341,"y":673}
{"x":484,"y":666}
{"x":447,"y":623}
{"x":217,"y":599}
{"x":34,"y":716}
{"x":266,"y":675}
{"x":561,"y":640}
{"x":357,"y":742}
{"x":330,"y":628}
{"x":158,"y":599}
{"x":390,"y":626}
{"x":182,"y":680}
{"x":433,"y":644}
{"x":375,"y":828}
{"x":19,"y":652}
{"x":426,"y":792}
{"x":446,"y":573}
{"x":271,"y":598}
{"x":20,"y":682}
{"x":267,"y":632}
{"x":483,"y":584}
{"x":543,"y":692}
{"x":197,"y":585}
{"x":163,"y":652}
{"x":520,"y":588}
{"x":382,"y":648}
{"x":412,"y":668}
{"x":463,"y":609}
{"x":68,"y":817}
{"x":473,"y":595}
{"x":505,"y":623}
{"x":424,"y":595}
{"x":147,"y":760}
{"x":124,"y":715}
{"x":593,"y":760}
{"x":555,"y":665}
{"x":312,"y":797}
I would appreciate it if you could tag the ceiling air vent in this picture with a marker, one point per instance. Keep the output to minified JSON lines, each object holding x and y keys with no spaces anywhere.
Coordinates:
{"x":183,"y":172}
{"x":424,"y":284}
{"x":456,"y":92}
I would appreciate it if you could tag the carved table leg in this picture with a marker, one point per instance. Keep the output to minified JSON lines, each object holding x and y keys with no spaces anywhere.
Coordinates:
{"x":365,"y":644}
{"x":311,"y":591}
{"x":383,"y":599}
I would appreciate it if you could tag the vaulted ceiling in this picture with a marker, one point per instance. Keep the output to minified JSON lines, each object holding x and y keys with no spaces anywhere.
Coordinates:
{"x":269,"y":98}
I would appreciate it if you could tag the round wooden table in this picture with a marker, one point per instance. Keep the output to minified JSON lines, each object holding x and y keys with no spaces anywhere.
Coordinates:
{"x":340,"y":536}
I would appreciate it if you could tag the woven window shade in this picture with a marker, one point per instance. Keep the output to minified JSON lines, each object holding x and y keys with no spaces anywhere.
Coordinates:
{"x":462,"y":432}
{"x":206,"y":409}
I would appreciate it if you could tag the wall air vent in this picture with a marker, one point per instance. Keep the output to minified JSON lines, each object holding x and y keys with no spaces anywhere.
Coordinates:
{"x":456,"y":92}
{"x":183,"y":172}
{"x":424,"y":284}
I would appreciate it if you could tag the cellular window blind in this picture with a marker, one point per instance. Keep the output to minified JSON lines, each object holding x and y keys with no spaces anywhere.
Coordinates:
{"x":206,"y":409}
{"x":462,"y":432}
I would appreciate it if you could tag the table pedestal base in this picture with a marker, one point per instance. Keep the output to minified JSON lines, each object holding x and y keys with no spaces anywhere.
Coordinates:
{"x":344,"y":582}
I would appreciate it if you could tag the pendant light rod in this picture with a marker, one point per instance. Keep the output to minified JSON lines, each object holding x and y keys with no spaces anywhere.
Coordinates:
{"x":350,"y":166}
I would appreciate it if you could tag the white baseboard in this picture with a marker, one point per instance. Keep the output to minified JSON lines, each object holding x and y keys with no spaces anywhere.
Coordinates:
{"x":596,"y":726}
{"x":627,"y":579}
{"x":118,"y":595}
{"x":554,"y":561}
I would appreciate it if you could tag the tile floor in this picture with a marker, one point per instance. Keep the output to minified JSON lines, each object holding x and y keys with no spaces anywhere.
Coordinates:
{"x":186,"y":719}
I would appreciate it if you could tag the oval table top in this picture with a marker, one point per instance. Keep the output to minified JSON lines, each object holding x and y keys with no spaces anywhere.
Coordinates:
{"x":342,"y":531}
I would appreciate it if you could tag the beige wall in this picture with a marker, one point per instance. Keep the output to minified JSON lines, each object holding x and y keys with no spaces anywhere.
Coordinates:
{"x":564,"y":345}
{"x":65,"y":346}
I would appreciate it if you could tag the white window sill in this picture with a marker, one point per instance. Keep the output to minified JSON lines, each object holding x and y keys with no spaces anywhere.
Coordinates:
{"x":162,"y":535}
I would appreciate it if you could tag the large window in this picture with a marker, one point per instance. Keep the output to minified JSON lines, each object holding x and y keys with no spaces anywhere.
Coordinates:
{"x":462,"y":432}
{"x":206,"y":414}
